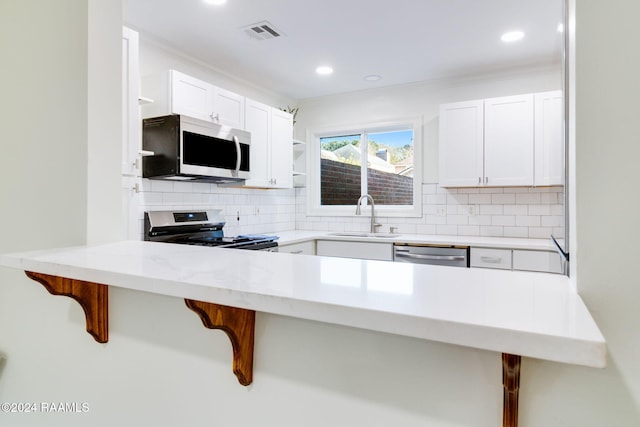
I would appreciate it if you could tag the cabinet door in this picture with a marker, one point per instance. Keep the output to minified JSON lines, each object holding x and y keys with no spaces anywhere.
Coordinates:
{"x":490,"y":258}
{"x":305,"y":248}
{"x":359,"y":250}
{"x":258,"y":122}
{"x":508,"y":141}
{"x":461,"y":144}
{"x":281,"y":151}
{"x":228,"y":108}
{"x":549,"y":147}
{"x":190,"y":96}
{"x":545,"y":261}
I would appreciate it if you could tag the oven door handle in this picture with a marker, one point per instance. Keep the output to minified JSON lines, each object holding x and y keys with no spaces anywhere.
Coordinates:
{"x":238,"y":156}
{"x":430,"y":257}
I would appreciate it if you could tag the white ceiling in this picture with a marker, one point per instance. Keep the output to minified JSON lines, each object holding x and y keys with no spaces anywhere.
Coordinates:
{"x":401,"y":40}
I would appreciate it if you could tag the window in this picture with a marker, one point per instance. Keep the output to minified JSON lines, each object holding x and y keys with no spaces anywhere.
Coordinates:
{"x":375,"y":160}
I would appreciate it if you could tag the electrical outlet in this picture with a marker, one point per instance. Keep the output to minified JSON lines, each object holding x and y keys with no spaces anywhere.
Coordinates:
{"x":441,"y":211}
{"x":474,"y":210}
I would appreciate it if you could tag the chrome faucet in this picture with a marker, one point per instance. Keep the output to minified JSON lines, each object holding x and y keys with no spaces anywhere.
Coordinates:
{"x":373,"y":213}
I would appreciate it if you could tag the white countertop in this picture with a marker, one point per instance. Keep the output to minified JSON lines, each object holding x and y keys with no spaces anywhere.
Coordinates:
{"x":297,"y":236}
{"x":530,"y":314}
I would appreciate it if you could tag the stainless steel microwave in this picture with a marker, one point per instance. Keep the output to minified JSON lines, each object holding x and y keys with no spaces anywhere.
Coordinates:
{"x":188,"y":149}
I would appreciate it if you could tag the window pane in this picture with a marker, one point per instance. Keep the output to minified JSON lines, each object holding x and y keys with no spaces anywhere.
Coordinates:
{"x":390,"y":167}
{"x":340,"y":182}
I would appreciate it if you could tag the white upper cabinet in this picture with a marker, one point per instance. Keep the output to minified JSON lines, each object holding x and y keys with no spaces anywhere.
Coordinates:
{"x":549,"y":152}
{"x":177,"y":93}
{"x":258,"y":122}
{"x":190,"y":96}
{"x":500,"y":142}
{"x":508,"y":141}
{"x":271,"y":139}
{"x":228,"y":108}
{"x":281,"y":152}
{"x":461,"y":144}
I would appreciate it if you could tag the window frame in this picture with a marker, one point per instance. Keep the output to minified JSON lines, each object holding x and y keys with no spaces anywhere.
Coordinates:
{"x":313,"y":168}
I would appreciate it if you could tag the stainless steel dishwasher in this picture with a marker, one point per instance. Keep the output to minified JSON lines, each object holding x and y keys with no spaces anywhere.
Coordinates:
{"x":454,"y":256}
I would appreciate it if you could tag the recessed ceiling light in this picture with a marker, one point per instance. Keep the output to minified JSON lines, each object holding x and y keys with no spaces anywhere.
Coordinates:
{"x":215,"y":2}
{"x":372,"y":78}
{"x":512,"y":36}
{"x":324,"y":70}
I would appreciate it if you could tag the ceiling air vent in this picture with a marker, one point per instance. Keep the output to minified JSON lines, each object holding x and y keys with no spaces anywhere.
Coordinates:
{"x":262,"y":31}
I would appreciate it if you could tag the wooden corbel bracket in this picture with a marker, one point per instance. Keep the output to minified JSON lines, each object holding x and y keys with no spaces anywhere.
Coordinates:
{"x":511,"y":385}
{"x":239,"y":325}
{"x":92,"y":297}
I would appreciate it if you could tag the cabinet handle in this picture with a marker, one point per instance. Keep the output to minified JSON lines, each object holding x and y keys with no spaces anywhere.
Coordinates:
{"x":402,"y":254}
{"x":215,"y":117}
{"x":486,"y":180}
{"x":238,"y":155}
{"x":491,"y":259}
{"x":479,"y":180}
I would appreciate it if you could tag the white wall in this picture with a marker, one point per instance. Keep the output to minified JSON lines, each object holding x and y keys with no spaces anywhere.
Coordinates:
{"x":44,"y":120}
{"x":162,"y":368}
{"x":607,"y":153}
{"x":104,"y":216}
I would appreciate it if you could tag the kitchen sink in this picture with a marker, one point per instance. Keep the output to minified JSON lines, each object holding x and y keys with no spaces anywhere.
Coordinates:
{"x":364,"y":234}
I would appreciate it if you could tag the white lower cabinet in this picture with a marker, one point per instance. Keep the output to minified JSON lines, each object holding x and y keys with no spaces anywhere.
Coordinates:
{"x":517,"y":259}
{"x":491,"y":258}
{"x":304,"y":248}
{"x":545,"y":261}
{"x":359,"y":250}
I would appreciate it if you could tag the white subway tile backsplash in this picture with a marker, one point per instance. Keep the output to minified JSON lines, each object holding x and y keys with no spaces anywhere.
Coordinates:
{"x":468,"y":230}
{"x":491,"y":231}
{"x":495,"y":212}
{"x":528,"y":221}
{"x":450,"y":230}
{"x":480,"y":199}
{"x":528,"y":198}
{"x":550,"y":198}
{"x":551,"y":221}
{"x":458,"y":199}
{"x":436,"y":199}
{"x":540,"y":232}
{"x":515,"y":210}
{"x":426,"y":229}
{"x":503,"y":198}
{"x":491,"y":209}
{"x":539,"y":209}
{"x":518,"y":232}
{"x":505,"y":220}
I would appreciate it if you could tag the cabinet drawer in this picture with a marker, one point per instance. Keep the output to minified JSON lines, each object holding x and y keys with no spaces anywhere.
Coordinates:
{"x":546,"y":261}
{"x":491,"y":258}
{"x":306,"y":248}
{"x":360,"y":250}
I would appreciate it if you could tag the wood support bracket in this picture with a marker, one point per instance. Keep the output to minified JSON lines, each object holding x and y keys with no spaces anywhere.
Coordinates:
{"x":239,"y":325}
{"x":92,"y":297}
{"x":511,"y":385}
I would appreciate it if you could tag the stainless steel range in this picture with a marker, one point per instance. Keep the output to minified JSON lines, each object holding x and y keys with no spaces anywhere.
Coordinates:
{"x":202,"y":228}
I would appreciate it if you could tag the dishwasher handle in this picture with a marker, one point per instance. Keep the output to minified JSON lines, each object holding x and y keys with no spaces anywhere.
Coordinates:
{"x":452,"y":258}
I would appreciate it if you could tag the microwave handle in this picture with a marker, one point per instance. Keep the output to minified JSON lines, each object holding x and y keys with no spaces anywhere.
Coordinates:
{"x":238,"y":155}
